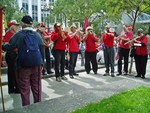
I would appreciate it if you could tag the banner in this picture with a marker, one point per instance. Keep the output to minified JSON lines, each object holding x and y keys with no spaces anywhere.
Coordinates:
{"x":86,"y":24}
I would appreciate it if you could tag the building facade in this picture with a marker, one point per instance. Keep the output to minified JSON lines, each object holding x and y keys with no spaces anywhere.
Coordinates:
{"x":34,"y":8}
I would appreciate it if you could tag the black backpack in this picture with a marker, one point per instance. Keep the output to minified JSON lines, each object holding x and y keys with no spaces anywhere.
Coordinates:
{"x":29,"y":55}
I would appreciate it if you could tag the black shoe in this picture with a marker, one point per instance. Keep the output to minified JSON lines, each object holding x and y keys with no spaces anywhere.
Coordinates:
{"x":64,"y":78}
{"x":143,"y":77}
{"x":137,"y":76}
{"x":95,"y":73}
{"x":44,"y":73}
{"x":58,"y":79}
{"x":17,"y":92}
{"x":76,"y":74}
{"x":50,"y":72}
{"x":11,"y":92}
{"x":112,"y":75}
{"x":106,"y":74}
{"x":67,"y":68}
{"x":71,"y":76}
{"x":118,"y":74}
{"x":88,"y":72}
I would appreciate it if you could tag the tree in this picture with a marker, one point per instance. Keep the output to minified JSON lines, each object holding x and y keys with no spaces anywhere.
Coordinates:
{"x":78,"y":10}
{"x":134,"y":8}
{"x":12,"y":11}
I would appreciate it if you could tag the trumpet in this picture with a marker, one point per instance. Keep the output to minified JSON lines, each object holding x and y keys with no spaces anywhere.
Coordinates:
{"x":131,"y":41}
{"x":45,"y":37}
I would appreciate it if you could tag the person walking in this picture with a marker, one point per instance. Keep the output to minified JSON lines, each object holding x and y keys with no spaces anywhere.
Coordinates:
{"x":60,"y":38}
{"x":123,"y":49}
{"x":90,"y":50}
{"x":28,"y":71}
{"x":141,"y":55}
{"x":73,"y":45}
{"x":109,"y":54}
{"x":10,"y":58}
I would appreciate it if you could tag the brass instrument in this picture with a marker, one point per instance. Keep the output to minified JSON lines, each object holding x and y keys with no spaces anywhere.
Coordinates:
{"x":45,"y":37}
{"x":130,"y":41}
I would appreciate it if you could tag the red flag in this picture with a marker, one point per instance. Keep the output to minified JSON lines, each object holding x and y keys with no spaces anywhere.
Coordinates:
{"x":86,"y":24}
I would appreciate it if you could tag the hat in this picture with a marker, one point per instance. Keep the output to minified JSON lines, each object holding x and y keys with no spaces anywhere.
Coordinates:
{"x":89,"y":28}
{"x":42,"y":24}
{"x":107,"y":26}
{"x":13,"y":22}
{"x":27,"y":20}
{"x":73,"y":26}
{"x":140,"y":31}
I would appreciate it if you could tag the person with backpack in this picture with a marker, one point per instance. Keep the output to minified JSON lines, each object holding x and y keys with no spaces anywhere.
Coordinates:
{"x":29,"y":61}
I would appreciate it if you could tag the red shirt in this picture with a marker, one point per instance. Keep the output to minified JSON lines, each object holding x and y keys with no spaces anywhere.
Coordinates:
{"x":129,"y":35}
{"x":90,"y":45}
{"x":60,"y":44}
{"x":108,"y":40}
{"x":8,"y":36}
{"x":73,"y":44}
{"x":142,"y":50}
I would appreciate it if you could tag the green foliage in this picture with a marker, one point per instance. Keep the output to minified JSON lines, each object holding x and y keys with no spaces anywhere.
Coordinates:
{"x":12,"y":11}
{"x":131,"y":101}
{"x":77,"y":10}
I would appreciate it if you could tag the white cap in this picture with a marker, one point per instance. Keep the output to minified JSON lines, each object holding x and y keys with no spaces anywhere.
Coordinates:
{"x":89,"y":27}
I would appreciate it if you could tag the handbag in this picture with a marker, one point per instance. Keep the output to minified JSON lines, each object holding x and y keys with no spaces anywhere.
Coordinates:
{"x":132,"y":51}
{"x":68,"y":56}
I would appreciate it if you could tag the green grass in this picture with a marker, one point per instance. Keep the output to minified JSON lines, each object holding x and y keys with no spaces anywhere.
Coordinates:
{"x":131,"y":101}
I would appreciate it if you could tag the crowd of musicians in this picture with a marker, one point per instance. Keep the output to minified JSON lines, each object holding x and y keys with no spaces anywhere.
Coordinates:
{"x":66,"y":46}
{"x":104,"y":49}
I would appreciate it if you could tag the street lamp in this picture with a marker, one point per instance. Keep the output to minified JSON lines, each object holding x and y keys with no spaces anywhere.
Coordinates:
{"x":45,"y":8}
{"x":23,"y":10}
{"x":102,"y":13}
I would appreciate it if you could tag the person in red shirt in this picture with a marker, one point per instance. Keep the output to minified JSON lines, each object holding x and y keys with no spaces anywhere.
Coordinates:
{"x":60,"y":38}
{"x":10,"y":58}
{"x":109,"y":53}
{"x":123,"y":49}
{"x":90,"y":50}
{"x":141,"y":54}
{"x":41,"y":29}
{"x":73,"y":50}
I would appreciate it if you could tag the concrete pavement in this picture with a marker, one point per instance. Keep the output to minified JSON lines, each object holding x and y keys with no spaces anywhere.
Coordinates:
{"x":65,"y":96}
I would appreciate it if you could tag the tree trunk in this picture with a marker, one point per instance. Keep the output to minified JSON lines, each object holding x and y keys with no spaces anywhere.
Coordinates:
{"x":131,"y":62}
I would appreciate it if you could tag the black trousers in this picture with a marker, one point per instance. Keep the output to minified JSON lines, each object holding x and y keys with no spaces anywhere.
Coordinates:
{"x":90,"y":57}
{"x":123,"y":55}
{"x":12,"y":84}
{"x":59,"y":56}
{"x":72,"y":62}
{"x":140,"y":64}
{"x":48,"y":61}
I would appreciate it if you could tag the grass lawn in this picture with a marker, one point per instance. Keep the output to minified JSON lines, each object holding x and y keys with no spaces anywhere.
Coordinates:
{"x":131,"y":101}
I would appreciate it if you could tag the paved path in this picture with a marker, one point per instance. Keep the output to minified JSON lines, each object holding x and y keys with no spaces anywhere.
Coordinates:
{"x":68,"y":95}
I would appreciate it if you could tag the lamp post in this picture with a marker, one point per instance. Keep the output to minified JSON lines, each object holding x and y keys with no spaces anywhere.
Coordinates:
{"x":102,"y":13}
{"x":45,"y":8}
{"x":23,"y":10}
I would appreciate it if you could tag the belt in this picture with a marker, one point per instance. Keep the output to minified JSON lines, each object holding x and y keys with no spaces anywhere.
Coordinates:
{"x":109,"y":47}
